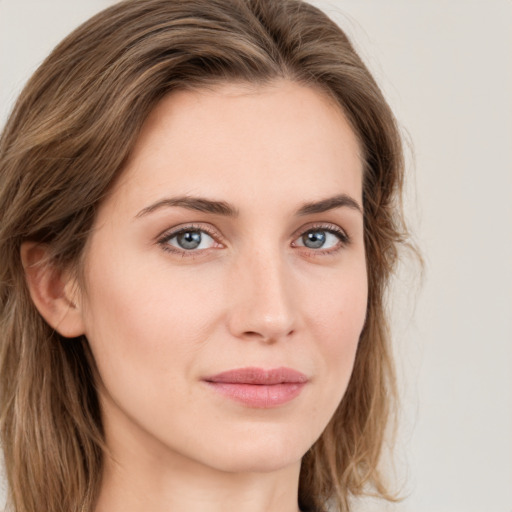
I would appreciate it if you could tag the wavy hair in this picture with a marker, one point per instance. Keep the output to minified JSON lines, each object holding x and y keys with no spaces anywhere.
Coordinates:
{"x":66,"y":141}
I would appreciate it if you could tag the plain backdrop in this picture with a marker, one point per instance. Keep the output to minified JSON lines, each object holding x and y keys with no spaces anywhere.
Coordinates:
{"x":446,"y":68}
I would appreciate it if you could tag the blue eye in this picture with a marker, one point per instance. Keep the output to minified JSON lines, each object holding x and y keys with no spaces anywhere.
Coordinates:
{"x":321,"y":238}
{"x":314,"y":239}
{"x":190,"y":240}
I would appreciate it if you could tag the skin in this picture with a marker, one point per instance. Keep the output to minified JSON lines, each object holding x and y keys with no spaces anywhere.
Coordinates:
{"x":160,"y":318}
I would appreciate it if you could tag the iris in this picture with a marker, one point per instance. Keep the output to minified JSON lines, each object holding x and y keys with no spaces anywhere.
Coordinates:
{"x":189,"y":239}
{"x":314,"y":239}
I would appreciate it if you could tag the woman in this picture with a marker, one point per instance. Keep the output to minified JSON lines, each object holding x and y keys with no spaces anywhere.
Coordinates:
{"x":199,"y":219}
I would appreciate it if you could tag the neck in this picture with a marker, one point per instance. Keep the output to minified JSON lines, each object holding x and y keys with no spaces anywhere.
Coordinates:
{"x":141,"y":474}
{"x":186,"y":488}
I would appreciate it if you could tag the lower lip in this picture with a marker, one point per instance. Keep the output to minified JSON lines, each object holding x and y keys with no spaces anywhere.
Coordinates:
{"x":261,"y":396}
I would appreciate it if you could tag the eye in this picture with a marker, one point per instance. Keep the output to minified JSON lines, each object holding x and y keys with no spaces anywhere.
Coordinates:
{"x":187,"y":239}
{"x":324,"y":239}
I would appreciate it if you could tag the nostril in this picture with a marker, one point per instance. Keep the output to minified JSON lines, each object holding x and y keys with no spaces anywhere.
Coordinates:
{"x":251,"y":334}
{"x":265,"y":337}
{"x":254,"y":334}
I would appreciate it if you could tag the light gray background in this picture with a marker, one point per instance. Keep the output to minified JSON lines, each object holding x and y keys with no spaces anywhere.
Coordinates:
{"x":445,"y":66}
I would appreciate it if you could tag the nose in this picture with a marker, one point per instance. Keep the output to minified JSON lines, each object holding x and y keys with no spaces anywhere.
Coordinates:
{"x":262,"y":302}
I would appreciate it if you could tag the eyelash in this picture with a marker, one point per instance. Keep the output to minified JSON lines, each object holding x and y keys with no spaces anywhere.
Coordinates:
{"x":165,"y":237}
{"x":343,"y":239}
{"x":163,"y":240}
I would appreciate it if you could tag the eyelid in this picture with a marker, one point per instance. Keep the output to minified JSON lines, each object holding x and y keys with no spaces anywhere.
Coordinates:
{"x":344,"y":238}
{"x":327,"y":226}
{"x":168,"y":234}
{"x":334,"y":229}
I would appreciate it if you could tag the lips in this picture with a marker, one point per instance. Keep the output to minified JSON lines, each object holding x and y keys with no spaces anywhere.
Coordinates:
{"x":257,"y":387}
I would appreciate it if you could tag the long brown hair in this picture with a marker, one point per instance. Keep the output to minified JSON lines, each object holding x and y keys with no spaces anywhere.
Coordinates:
{"x":66,"y":141}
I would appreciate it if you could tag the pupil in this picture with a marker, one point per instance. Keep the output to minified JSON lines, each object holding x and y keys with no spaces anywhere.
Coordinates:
{"x":314,"y":239}
{"x":189,"y":239}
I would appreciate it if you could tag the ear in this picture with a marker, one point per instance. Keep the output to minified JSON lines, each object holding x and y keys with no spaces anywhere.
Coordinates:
{"x":53,"y":291}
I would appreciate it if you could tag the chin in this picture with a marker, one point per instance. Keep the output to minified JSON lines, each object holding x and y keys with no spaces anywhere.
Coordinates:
{"x":259,"y":453}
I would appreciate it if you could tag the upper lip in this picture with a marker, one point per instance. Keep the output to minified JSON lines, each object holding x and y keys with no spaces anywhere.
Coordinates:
{"x":259,"y":376}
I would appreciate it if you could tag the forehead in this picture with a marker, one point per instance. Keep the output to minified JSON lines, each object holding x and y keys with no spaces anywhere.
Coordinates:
{"x":243,"y":140}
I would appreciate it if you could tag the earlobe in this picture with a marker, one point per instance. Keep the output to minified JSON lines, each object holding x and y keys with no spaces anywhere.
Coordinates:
{"x":52,"y":290}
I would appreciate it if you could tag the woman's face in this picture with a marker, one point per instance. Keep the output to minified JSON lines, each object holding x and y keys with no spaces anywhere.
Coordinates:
{"x":226,"y":286}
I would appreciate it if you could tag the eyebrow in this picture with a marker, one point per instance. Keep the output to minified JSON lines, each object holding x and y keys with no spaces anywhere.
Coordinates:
{"x":331,"y":203}
{"x":204,"y":205}
{"x":198,"y":204}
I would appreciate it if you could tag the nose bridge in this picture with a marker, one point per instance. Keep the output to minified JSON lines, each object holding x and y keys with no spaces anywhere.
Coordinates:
{"x":263,"y":305}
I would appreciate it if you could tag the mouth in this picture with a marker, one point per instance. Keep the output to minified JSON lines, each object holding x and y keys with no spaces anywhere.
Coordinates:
{"x":257,"y":387}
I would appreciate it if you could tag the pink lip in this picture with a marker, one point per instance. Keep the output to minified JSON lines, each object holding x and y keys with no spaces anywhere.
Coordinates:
{"x":256,"y":387}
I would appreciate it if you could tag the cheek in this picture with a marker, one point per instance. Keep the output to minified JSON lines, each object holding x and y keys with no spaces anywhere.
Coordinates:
{"x":339,"y":306}
{"x":339,"y":317}
{"x":141,"y":320}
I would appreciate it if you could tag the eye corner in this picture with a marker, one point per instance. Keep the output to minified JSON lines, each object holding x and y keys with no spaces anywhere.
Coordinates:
{"x":194,"y":242}
{"x":335,"y":237}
